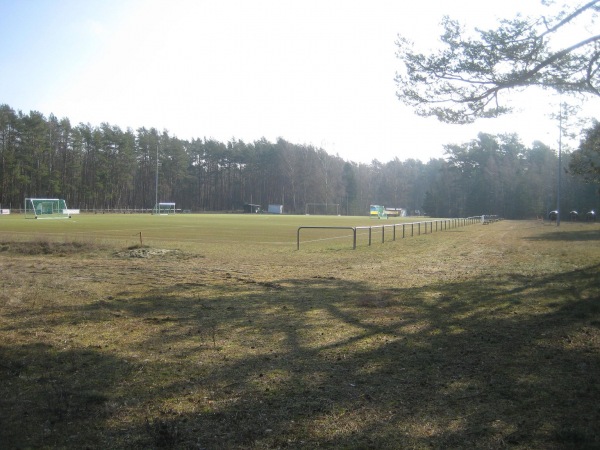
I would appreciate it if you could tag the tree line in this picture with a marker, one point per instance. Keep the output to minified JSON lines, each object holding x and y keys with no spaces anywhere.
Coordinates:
{"x":106,"y":168}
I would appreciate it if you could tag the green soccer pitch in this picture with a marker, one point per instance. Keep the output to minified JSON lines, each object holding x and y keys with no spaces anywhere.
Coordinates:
{"x":194,"y":230}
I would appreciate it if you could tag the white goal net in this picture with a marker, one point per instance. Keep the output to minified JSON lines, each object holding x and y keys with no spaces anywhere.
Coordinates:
{"x":164,"y":208}
{"x":322,"y":209}
{"x":46,"y":208}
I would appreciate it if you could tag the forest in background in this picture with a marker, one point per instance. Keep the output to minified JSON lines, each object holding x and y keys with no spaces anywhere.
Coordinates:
{"x":106,"y":168}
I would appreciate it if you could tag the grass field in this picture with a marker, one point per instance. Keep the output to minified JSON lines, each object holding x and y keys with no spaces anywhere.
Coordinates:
{"x":218,"y":333}
{"x":196,"y":230}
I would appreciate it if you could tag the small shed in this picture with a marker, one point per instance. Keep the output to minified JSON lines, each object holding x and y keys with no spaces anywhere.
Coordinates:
{"x":251,"y":208}
{"x":275,"y":209}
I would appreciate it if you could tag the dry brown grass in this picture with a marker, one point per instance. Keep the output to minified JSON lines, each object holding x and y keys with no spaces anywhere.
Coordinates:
{"x":481,"y":337}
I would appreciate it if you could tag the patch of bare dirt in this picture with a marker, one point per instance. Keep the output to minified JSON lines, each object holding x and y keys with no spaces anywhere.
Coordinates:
{"x":149,"y":253}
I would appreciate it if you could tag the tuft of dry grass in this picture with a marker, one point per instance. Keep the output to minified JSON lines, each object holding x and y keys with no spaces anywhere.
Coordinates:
{"x":44,"y":246}
{"x":481,"y":337}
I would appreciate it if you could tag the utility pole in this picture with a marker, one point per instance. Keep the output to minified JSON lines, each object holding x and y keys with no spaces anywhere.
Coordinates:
{"x":156,"y":190}
{"x":560,"y":118}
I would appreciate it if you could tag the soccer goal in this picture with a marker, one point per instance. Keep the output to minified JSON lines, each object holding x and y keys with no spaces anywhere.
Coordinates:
{"x":164,"y":208}
{"x":46,"y":208}
{"x":322,"y":209}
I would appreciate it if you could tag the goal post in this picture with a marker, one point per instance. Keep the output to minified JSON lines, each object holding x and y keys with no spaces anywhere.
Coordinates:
{"x":46,"y":208}
{"x":322,"y":209}
{"x":164,"y":208}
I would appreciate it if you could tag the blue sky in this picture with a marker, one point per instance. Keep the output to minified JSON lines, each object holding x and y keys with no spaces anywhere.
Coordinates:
{"x":313,"y":72}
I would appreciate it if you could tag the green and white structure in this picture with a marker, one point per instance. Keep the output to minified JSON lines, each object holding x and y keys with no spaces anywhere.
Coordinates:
{"x":46,"y":208}
{"x":164,"y":208}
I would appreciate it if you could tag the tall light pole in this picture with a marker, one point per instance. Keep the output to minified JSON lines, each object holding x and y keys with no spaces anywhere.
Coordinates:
{"x":559,"y":165}
{"x":156,"y":190}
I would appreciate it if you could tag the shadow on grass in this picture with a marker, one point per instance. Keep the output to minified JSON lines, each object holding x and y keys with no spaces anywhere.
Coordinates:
{"x":321,"y":362}
{"x":48,"y":394}
{"x":579,"y":235}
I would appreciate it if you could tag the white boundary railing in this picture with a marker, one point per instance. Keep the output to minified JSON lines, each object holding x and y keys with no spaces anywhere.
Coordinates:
{"x":406,"y":229}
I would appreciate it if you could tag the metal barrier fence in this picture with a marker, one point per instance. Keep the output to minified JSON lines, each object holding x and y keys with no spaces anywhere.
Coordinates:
{"x":425,"y":226}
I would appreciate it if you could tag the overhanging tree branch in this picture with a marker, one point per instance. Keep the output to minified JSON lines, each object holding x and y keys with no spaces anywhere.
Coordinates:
{"x":525,"y":78}
{"x":588,"y":6}
{"x":462,"y":81}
